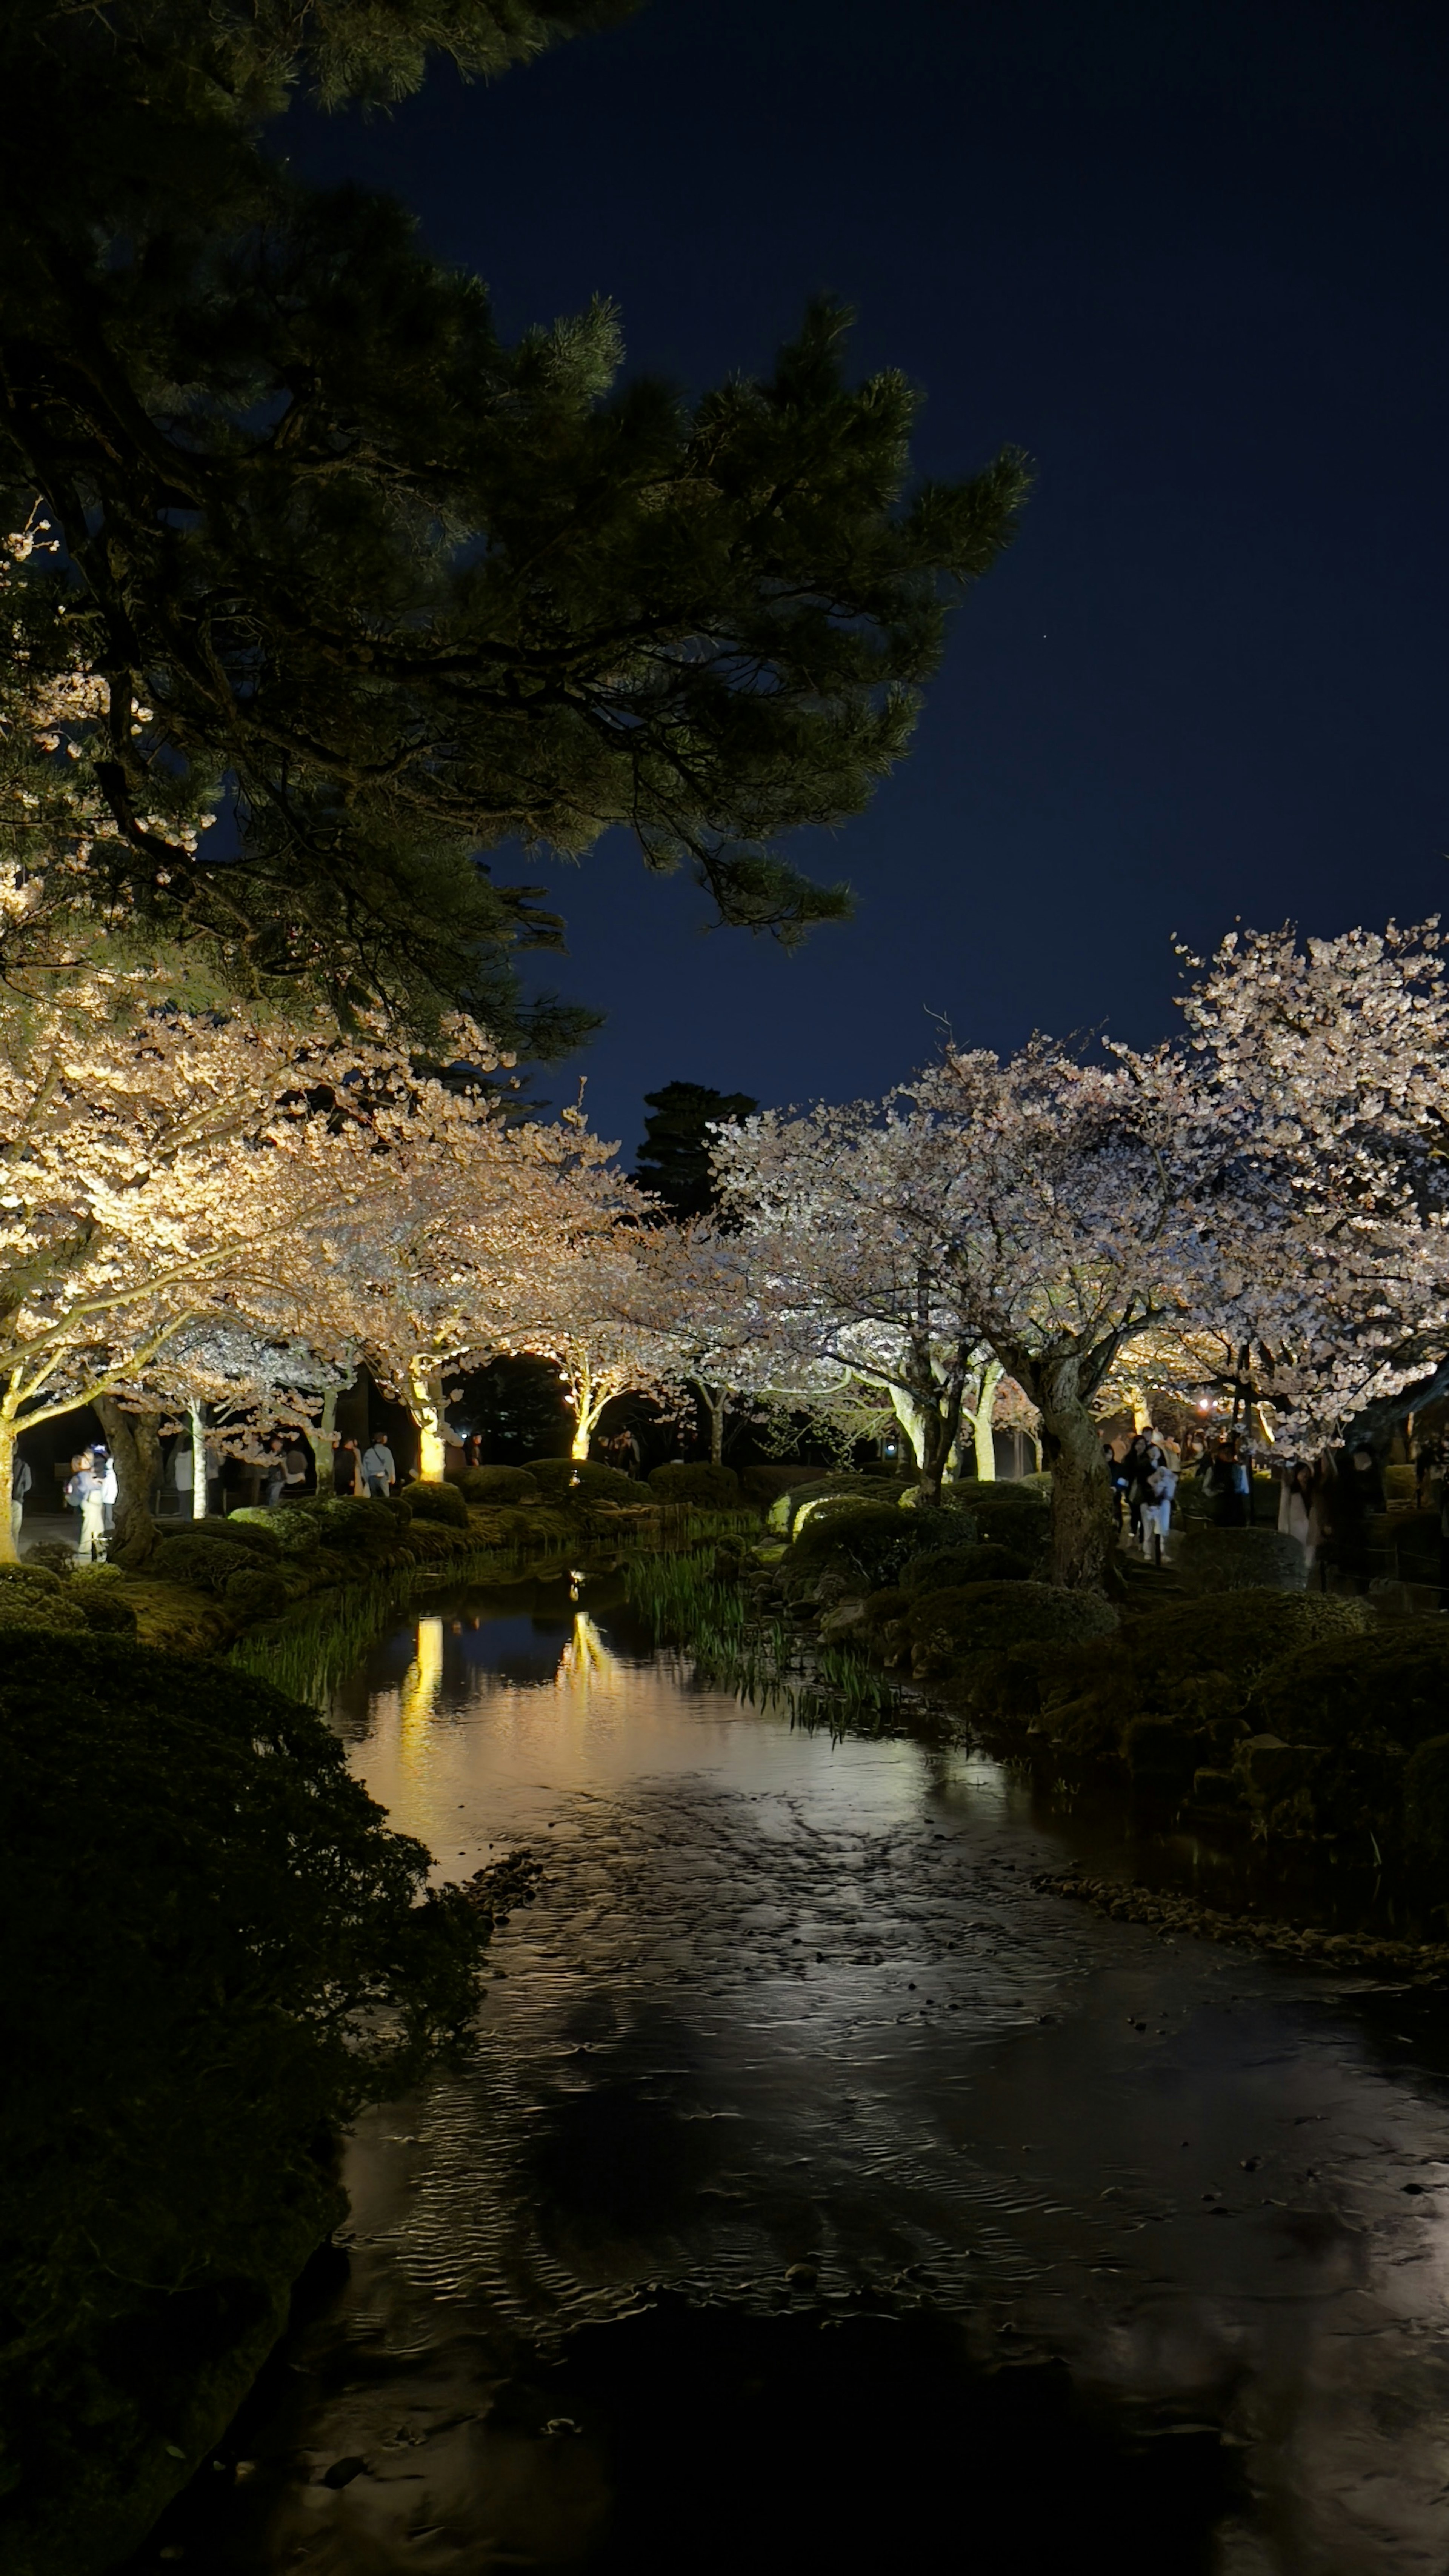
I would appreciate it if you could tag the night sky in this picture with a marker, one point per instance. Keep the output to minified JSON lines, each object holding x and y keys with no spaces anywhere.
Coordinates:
{"x":1192,"y":258}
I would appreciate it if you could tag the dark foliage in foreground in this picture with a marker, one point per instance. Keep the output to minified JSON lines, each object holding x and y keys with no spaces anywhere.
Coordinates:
{"x":215,"y":1952}
{"x":416,"y":591}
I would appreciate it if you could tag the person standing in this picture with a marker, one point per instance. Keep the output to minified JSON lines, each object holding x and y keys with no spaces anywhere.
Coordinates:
{"x":1134,"y":1470}
{"x":90,"y":1494}
{"x":379,"y":1471}
{"x":294,"y":1470}
{"x":274,"y":1473}
{"x":20,"y":1484}
{"x":1228,"y":1482}
{"x":105,"y":1468}
{"x":75,"y":1488}
{"x":346,"y":1469}
{"x":1159,"y":1486}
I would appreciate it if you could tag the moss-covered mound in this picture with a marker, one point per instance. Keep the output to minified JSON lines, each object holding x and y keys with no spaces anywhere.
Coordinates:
{"x":970,"y":1619}
{"x":1015,"y":1515}
{"x":215,"y":1950}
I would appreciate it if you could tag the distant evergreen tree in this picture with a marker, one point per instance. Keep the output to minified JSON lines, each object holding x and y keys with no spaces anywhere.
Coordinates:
{"x":674,"y":1157}
{"x":411,"y":592}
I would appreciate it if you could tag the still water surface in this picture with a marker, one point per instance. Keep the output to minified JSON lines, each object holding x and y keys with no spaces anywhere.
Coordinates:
{"x":785,"y":2002}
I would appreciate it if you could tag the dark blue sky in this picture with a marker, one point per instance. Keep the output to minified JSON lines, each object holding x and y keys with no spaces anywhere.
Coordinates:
{"x":1192,"y":257}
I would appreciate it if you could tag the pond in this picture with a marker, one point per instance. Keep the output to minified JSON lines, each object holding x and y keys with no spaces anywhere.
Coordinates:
{"x":820,"y":2192}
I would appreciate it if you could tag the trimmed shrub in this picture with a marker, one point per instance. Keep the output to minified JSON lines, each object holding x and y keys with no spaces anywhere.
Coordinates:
{"x":937,"y":1568}
{"x":35,"y":1596}
{"x":495,"y":1484}
{"x":586,"y":1480}
{"x":869,"y":1542}
{"x":697,"y":1481}
{"x":364,"y":1529}
{"x":204,"y":1564}
{"x":286,"y":1530}
{"x":1385,"y":1684}
{"x":986,"y":1618}
{"x":250,"y":1588}
{"x":841,"y":1486}
{"x":429,"y":1501}
{"x":1239,"y":1635}
{"x":254,"y":1527}
{"x":1239,"y":1560}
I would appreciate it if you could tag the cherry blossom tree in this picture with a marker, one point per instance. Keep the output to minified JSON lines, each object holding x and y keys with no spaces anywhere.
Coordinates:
{"x":162,"y":1162}
{"x":1037,"y":1209}
{"x":508,"y":1223}
{"x":611,"y":1310}
{"x":1323,"y":1068}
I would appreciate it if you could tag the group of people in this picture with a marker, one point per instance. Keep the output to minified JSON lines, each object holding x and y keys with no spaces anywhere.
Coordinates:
{"x":90,"y":1490}
{"x":1143,"y":1481}
{"x":371,"y":1471}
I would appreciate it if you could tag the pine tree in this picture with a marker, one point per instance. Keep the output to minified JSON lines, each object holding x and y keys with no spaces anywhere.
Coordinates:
{"x":675,"y":1155}
{"x":410,"y":591}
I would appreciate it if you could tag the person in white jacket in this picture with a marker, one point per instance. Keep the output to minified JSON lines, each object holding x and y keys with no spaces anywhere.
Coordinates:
{"x":1159,"y":1484}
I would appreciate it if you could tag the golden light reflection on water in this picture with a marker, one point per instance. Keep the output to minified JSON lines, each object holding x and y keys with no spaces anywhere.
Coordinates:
{"x":418,"y":1698}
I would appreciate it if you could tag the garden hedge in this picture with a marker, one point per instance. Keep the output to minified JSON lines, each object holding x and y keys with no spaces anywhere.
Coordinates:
{"x":709,"y":1488}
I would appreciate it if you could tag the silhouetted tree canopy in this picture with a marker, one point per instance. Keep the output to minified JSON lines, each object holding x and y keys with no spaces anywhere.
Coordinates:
{"x":409,"y":591}
{"x":674,"y":1157}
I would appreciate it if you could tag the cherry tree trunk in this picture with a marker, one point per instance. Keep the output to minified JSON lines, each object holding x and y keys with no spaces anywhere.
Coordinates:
{"x":715,"y":1400}
{"x":983,"y":1437}
{"x":321,"y":1440}
{"x":1082,"y":1528}
{"x":8,"y":1549}
{"x":135,"y":1447}
{"x":425,"y":1403}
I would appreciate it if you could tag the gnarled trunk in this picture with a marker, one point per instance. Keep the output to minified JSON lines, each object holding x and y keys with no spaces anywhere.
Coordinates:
{"x":135,"y":1446}
{"x":321,"y":1439}
{"x":715,"y":1400}
{"x":1082,"y":1531}
{"x":931,"y":1424}
{"x":983,"y":1436}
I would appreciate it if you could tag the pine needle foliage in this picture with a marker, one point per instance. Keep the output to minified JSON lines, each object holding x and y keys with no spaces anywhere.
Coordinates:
{"x":408,"y":592}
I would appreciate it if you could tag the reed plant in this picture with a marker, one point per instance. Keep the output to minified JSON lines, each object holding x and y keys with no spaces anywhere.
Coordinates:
{"x":691,"y":1601}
